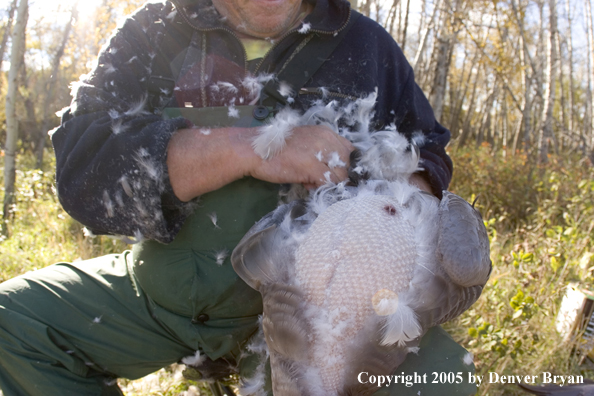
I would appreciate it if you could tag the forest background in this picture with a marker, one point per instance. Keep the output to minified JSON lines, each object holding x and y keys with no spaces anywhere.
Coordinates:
{"x":511,"y":79}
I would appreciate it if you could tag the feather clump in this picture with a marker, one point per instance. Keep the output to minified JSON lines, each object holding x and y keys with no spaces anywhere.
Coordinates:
{"x":271,"y":138}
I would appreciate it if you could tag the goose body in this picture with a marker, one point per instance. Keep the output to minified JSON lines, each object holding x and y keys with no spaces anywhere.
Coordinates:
{"x":353,"y":276}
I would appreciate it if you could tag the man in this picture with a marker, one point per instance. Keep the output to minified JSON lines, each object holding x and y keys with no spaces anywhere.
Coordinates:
{"x":126,"y":166}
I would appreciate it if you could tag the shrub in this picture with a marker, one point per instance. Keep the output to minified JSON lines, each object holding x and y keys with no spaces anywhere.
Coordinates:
{"x":540,"y":223}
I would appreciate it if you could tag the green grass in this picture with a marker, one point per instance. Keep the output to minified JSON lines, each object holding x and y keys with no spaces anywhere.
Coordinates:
{"x":40,"y":232}
{"x":540,"y":221}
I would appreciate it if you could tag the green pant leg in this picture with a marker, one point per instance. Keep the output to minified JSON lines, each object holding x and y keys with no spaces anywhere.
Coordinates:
{"x":438,"y":353}
{"x":71,"y":329}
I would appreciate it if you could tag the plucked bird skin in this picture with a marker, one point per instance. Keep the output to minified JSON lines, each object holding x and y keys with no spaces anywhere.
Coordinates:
{"x":353,"y":276}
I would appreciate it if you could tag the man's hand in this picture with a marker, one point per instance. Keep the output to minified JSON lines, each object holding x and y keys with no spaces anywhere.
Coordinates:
{"x":312,"y":156}
{"x":199,"y":163}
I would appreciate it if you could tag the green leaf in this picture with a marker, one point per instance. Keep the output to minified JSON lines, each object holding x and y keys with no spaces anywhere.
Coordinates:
{"x":528,"y":257}
{"x":516,"y":264}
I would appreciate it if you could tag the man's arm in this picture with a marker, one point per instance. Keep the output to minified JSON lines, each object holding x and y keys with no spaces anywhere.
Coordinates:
{"x":111,"y":149}
{"x":226,"y":155}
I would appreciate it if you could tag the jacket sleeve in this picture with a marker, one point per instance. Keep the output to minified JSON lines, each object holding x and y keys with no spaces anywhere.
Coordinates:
{"x":111,"y":148}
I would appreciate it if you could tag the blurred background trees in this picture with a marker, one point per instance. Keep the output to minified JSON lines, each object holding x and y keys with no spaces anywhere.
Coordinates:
{"x":516,"y":74}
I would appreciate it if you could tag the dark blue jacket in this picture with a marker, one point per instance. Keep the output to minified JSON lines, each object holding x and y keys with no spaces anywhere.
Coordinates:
{"x":111,"y":147}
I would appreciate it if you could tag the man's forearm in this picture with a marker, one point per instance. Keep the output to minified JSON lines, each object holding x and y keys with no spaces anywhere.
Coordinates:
{"x":199,"y":163}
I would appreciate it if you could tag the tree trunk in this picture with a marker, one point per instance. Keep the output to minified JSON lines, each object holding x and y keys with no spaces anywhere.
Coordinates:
{"x":366,"y":8}
{"x":546,"y":133}
{"x":424,"y":38}
{"x":517,"y":135}
{"x":460,"y":94}
{"x":445,"y":46}
{"x":392,"y":18}
{"x":6,"y":33}
{"x":589,"y":124}
{"x":466,"y":126}
{"x":536,"y":72}
{"x":570,"y":56}
{"x":18,"y":42}
{"x":562,"y":93}
{"x":486,"y":120}
{"x":504,"y":126}
{"x":527,"y":97}
{"x":422,"y":18}
{"x":399,"y":27}
{"x":40,"y":146}
{"x":405,"y":25}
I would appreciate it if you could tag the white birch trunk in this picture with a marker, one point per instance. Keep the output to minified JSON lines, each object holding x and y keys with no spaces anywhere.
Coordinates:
{"x":18,"y":43}
{"x":467,"y":120}
{"x":6,"y":33}
{"x":546,"y":133}
{"x":588,"y":105}
{"x":562,"y":94}
{"x":570,"y":56}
